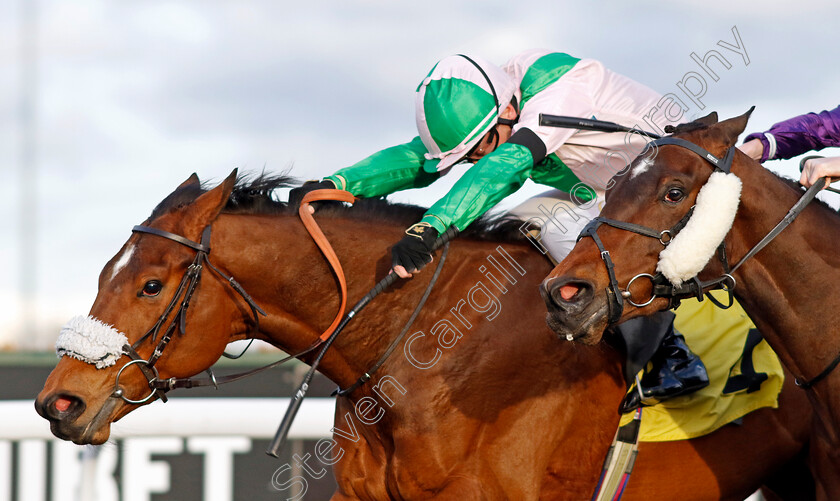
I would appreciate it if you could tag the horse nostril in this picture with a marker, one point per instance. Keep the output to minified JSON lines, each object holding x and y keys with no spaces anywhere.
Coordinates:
{"x":62,"y":404}
{"x":63,"y":407}
{"x":568,"y":291}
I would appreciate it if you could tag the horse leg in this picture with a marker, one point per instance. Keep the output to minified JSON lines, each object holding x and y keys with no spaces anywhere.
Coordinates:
{"x":825,"y":464}
{"x":791,"y":482}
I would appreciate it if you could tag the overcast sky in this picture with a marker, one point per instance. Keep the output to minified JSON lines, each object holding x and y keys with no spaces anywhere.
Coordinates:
{"x":133,"y":97}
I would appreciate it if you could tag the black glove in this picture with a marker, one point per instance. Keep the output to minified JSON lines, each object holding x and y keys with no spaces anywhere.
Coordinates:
{"x":296,"y":194}
{"x":414,"y":251}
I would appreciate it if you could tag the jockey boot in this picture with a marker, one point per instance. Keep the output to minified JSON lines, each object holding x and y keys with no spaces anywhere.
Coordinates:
{"x":674,"y":371}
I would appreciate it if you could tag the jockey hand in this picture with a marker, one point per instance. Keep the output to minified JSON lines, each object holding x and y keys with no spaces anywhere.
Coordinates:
{"x":414,"y":251}
{"x":816,"y":168}
{"x":296,"y":194}
{"x":753,"y":149}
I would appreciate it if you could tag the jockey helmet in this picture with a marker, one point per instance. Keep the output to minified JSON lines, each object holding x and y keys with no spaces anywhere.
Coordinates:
{"x":457,"y":103}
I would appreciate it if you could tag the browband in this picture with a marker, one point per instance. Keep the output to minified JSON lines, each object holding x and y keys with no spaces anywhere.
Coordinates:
{"x":724,"y":164}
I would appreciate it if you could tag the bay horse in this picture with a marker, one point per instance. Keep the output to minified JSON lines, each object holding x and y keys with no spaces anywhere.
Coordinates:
{"x":481,"y":402}
{"x":788,"y":288}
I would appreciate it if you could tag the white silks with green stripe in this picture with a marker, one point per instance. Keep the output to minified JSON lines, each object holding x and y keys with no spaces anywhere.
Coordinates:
{"x":457,"y":104}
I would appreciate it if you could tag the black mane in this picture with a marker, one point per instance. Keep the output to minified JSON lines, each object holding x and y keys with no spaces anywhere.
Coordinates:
{"x":798,"y":187}
{"x":685,"y":127}
{"x":256,"y":194}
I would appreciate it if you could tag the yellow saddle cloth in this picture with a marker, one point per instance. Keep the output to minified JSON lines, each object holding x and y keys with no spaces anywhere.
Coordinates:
{"x":743,"y":376}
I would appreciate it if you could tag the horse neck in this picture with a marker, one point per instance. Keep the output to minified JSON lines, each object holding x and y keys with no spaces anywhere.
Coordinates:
{"x":785,"y":287}
{"x":279,"y":265}
{"x":277,"y":262}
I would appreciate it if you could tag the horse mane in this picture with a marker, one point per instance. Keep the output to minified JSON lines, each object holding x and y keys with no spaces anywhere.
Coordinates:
{"x":256,"y":194}
{"x":685,"y":127}
{"x":798,"y":187}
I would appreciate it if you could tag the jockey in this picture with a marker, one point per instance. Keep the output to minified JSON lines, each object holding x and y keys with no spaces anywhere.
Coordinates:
{"x":797,"y":135}
{"x":469,"y":110}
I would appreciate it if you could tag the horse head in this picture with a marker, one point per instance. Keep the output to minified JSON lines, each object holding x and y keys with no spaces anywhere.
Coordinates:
{"x":659,"y":227}
{"x":139,"y":304}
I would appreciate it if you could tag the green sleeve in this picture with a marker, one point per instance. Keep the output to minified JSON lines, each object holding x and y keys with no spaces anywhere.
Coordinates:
{"x":485,"y":184}
{"x":555,"y":173}
{"x":392,"y":169}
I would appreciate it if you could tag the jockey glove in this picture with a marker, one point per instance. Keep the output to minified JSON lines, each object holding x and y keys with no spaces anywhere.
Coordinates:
{"x":296,"y":194}
{"x":414,"y":251}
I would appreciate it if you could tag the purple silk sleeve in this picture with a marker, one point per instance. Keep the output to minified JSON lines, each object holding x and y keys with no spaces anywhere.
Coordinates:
{"x":797,"y":135}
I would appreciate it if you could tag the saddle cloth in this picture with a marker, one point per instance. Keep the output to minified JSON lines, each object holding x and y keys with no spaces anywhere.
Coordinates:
{"x":744,"y":373}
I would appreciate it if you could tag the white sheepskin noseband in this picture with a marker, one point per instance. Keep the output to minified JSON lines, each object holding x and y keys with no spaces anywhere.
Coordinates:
{"x":694,"y":246}
{"x":91,"y":341}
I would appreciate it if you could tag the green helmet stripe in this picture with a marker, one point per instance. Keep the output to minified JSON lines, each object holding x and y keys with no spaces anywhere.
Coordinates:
{"x":456,"y":111}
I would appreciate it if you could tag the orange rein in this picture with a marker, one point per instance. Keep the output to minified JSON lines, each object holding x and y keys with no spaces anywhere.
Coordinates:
{"x":323,"y":244}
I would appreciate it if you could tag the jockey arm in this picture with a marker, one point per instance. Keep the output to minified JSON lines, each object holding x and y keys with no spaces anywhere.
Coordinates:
{"x":492,"y":178}
{"x":392,"y":169}
{"x":528,"y":153}
{"x":797,"y":135}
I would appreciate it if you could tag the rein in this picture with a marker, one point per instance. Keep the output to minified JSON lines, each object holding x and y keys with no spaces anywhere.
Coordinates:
{"x":186,"y":289}
{"x":332,"y":333}
{"x":693,"y":287}
{"x":375,"y":367}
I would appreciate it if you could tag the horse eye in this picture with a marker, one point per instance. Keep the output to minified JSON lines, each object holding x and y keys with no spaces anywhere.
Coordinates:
{"x":152,"y":288}
{"x":674,"y":195}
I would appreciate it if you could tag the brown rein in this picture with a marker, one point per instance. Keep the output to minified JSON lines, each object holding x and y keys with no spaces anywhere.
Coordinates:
{"x":160,"y":386}
{"x":323,"y":244}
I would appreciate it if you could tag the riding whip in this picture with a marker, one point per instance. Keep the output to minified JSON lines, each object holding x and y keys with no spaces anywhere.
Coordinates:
{"x":279,"y":440}
{"x":589,"y":124}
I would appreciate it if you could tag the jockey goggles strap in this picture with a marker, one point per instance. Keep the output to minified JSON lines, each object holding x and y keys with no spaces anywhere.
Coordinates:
{"x":499,"y":120}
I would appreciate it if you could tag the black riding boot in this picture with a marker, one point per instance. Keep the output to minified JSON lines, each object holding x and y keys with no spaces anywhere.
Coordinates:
{"x":675,"y":371}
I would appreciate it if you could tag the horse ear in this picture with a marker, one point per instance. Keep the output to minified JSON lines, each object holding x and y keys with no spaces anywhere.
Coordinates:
{"x":710,"y":119}
{"x":733,"y":127}
{"x":207,"y":207}
{"x":191,"y":181}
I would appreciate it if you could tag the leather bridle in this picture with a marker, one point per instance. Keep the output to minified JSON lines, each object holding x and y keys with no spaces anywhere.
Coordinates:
{"x":184,"y":294}
{"x":661,"y":286}
{"x":179,"y":304}
{"x":693,"y":287}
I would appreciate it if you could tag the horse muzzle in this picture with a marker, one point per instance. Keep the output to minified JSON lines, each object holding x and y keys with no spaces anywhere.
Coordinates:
{"x":575,"y":312}
{"x":72,"y":418}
